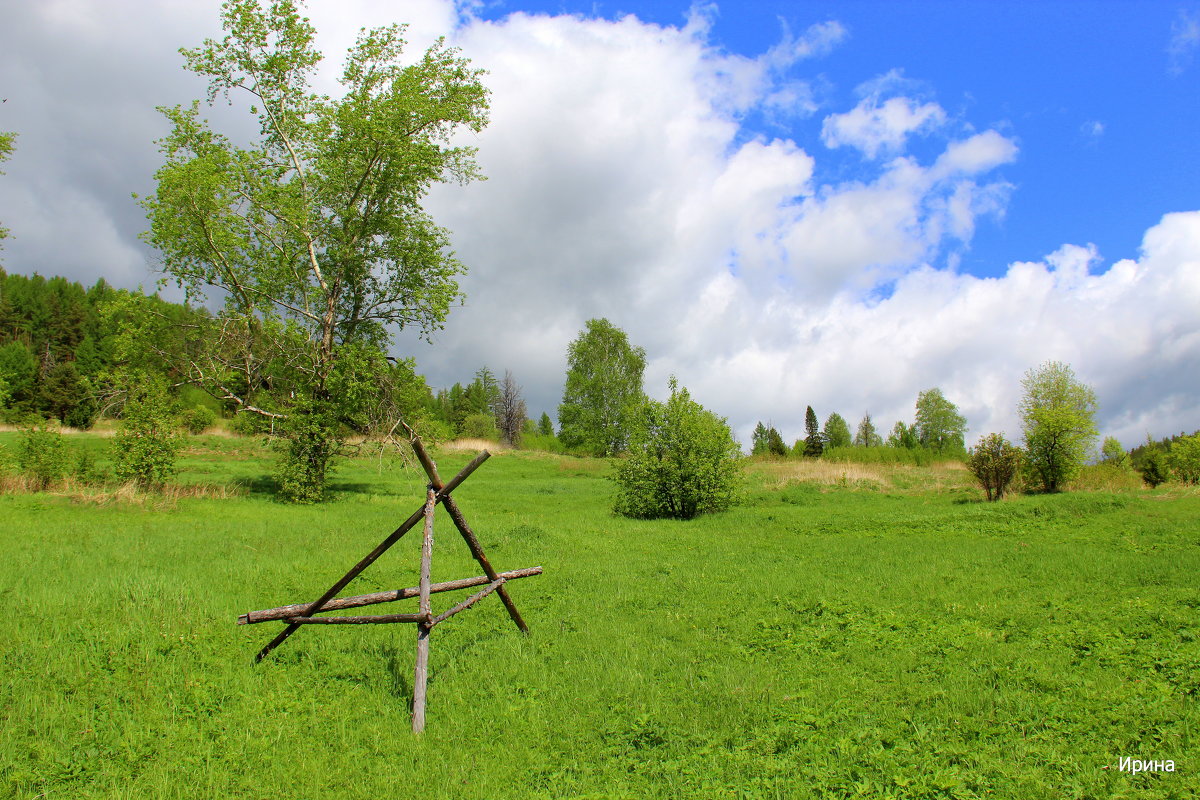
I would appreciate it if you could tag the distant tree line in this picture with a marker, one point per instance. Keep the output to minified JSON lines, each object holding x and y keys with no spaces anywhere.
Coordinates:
{"x":938,"y":431}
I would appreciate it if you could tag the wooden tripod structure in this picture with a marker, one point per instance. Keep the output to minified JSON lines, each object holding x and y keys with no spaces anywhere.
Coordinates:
{"x":437,"y":492}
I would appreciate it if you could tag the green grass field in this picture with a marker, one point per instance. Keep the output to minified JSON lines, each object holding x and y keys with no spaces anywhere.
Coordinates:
{"x":875,"y":632}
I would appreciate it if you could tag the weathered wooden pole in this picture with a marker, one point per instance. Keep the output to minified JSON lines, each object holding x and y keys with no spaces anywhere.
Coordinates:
{"x":460,"y":522}
{"x":369,"y":559}
{"x":421,"y":672}
{"x":357,"y":601}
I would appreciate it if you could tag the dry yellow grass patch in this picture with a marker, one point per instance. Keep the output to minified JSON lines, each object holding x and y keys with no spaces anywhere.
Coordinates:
{"x":495,"y":448}
{"x":891,"y":477}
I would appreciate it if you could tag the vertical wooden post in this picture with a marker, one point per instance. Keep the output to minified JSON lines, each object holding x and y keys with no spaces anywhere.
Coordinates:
{"x":420,"y":678}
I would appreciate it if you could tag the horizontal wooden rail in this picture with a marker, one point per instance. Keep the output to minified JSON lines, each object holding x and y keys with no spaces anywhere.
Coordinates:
{"x":357,"y":601}
{"x":379,"y":618}
{"x":443,"y":495}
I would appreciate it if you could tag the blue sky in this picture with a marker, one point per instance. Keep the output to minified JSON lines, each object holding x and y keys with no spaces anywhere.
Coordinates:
{"x":836,"y":204}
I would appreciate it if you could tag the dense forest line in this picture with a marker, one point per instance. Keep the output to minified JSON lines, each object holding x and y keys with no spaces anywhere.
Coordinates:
{"x":64,"y":348}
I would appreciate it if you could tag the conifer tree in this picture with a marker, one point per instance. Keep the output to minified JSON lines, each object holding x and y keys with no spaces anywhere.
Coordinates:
{"x":814,"y":444}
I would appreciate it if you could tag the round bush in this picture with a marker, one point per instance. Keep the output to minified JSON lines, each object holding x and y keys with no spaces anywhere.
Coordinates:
{"x":682,"y":461}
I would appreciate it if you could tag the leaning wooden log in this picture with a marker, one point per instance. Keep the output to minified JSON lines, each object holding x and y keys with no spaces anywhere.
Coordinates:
{"x":465,"y":604}
{"x":377,"y":619}
{"x":442,"y":495}
{"x":421,"y":668}
{"x":460,"y":522}
{"x":358,"y":601}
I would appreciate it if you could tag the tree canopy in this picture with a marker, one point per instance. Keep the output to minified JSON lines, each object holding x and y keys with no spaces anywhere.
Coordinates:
{"x":6,"y":147}
{"x":313,"y":234}
{"x":603,"y":387}
{"x":939,"y":426}
{"x":1058,"y":419}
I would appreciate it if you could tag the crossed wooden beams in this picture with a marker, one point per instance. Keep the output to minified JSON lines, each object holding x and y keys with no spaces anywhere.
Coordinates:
{"x":303,"y":613}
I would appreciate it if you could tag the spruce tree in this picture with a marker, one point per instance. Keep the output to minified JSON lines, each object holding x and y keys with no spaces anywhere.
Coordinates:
{"x":813,"y":441}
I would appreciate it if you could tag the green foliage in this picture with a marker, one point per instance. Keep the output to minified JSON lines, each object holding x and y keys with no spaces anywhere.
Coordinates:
{"x":1058,"y":418}
{"x":545,"y":426}
{"x":1112,"y":452}
{"x":867,"y":436}
{"x":18,"y":370}
{"x":814,"y":443}
{"x":6,"y":148}
{"x":1152,"y":463}
{"x":903,"y":436}
{"x":1184,"y":459}
{"x":146,"y":446}
{"x":42,"y":456}
{"x":682,"y":461}
{"x":939,"y":426}
{"x":480,"y":426}
{"x":995,"y":462}
{"x":314,"y":230}
{"x":310,"y":439}
{"x":197,"y":419}
{"x":836,"y":432}
{"x":767,"y":441}
{"x":603,"y":388}
{"x":903,"y":645}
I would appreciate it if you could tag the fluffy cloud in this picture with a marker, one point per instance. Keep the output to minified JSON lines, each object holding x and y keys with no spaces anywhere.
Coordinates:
{"x":623,"y":182}
{"x":877,"y":127}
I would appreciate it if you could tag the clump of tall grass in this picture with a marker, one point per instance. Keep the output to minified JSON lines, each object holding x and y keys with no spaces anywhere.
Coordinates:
{"x":916,"y":457}
{"x":1108,"y":477}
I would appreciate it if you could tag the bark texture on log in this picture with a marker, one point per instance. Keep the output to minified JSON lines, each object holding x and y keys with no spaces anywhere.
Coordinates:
{"x":379,"y":550}
{"x":421,"y":668}
{"x":389,"y":596}
{"x":376,"y":619}
{"x":460,"y":522}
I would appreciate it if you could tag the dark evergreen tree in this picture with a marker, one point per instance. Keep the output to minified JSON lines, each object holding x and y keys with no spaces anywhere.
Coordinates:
{"x":813,"y":441}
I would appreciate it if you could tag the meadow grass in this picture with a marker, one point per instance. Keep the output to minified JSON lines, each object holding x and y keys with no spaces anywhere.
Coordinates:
{"x":885,"y":635}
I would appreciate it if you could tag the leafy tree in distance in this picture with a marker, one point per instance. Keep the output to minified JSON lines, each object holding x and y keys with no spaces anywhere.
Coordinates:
{"x":603,"y":387}
{"x":1058,"y":418}
{"x":939,"y":427}
{"x":545,"y":426}
{"x":511,"y":417}
{"x":146,"y":445}
{"x":1112,"y":452}
{"x":836,"y":432}
{"x":994,"y":462}
{"x":902,"y":435}
{"x":1184,"y":459}
{"x":813,"y":444}
{"x":314,"y":233}
{"x":867,"y":436}
{"x":683,"y":461}
{"x":6,"y":148}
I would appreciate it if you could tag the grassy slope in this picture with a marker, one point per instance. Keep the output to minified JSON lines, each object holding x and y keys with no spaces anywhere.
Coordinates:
{"x":882,"y":638}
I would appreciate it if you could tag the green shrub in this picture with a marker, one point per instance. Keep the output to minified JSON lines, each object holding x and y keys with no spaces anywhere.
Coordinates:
{"x":682,"y":461}
{"x":146,"y":446}
{"x":311,"y":439}
{"x":1154,"y":468}
{"x":994,"y":462}
{"x":479,"y":426}
{"x":42,"y":456}
{"x":197,"y":420}
{"x":1184,"y":459}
